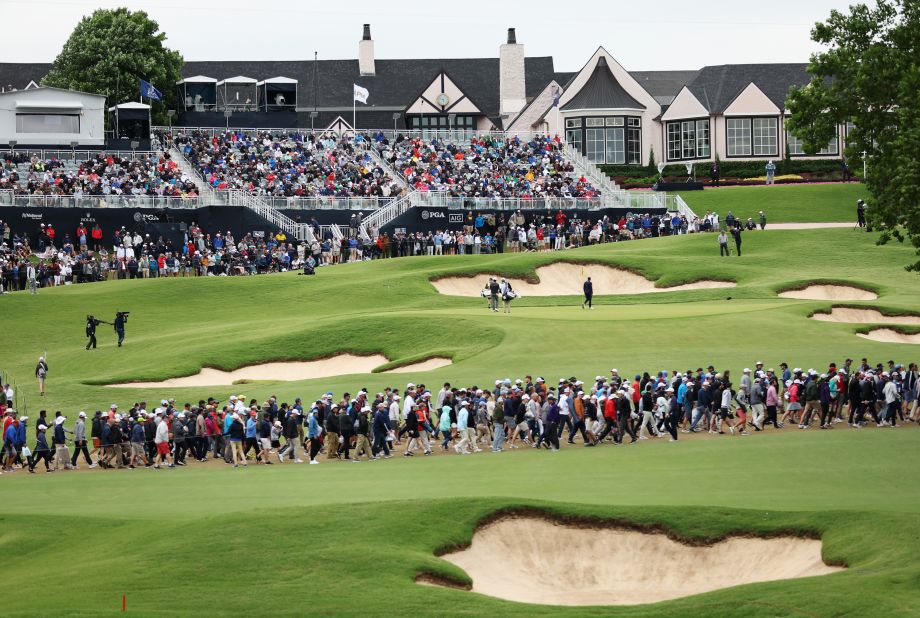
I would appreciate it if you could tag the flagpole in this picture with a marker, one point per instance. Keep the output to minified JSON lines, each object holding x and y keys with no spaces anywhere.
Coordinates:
{"x":354,"y":114}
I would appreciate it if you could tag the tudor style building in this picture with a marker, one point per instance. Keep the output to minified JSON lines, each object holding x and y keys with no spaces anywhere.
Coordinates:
{"x":607,"y":113}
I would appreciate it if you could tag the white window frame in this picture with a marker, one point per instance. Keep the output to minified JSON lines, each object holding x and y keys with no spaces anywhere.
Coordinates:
{"x":738,"y":137}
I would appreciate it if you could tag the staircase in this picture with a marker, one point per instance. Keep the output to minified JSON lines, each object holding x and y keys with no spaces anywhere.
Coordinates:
{"x":613,"y":195}
{"x":205,"y":190}
{"x":385,"y":214}
{"x":300,"y":231}
{"x":396,"y":176}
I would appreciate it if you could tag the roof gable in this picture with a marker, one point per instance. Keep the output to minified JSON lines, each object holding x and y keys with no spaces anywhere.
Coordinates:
{"x":751,"y":101}
{"x":602,"y":91}
{"x":685,"y":105}
{"x":619,"y":80}
{"x":456,"y":100}
{"x":717,"y":86}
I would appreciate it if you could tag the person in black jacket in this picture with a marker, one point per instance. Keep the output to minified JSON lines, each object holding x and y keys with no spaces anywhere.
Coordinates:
{"x":380,"y":431}
{"x":588,"y":288}
{"x":346,"y":430}
{"x":493,"y":294}
{"x":290,"y":436}
{"x":332,"y":433}
{"x":624,"y":410}
{"x":362,"y":434}
{"x":41,"y":450}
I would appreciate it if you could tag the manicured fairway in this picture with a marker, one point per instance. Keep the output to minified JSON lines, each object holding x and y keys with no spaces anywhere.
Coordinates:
{"x":349,"y":539}
{"x":782,"y":203}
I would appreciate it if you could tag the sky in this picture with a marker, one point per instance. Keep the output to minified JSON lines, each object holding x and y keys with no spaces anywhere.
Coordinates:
{"x":668,"y":34}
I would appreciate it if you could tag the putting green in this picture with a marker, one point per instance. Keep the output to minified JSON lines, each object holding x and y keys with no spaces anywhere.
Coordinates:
{"x":339,"y":539}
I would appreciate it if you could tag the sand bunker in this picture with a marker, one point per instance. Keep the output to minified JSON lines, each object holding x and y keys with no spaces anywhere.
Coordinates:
{"x":886,"y":335}
{"x":522,"y":559}
{"x":829,"y":292}
{"x":850,"y":315}
{"x":566,"y":279}
{"x":343,"y":364}
{"x":426,"y":365}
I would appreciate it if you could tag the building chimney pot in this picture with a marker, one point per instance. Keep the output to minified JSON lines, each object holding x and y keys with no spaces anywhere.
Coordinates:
{"x":367,"y":32}
{"x":512,"y":37}
{"x":366,"y":63}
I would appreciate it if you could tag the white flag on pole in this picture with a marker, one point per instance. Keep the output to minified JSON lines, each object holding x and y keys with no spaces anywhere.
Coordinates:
{"x":361,"y":94}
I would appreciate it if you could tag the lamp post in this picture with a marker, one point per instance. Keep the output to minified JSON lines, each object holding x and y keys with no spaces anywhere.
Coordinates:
{"x":227,"y":114}
{"x":73,"y":149}
{"x":864,"y":165}
{"x":13,"y":146}
{"x":134,"y":145}
{"x":396,"y":116}
{"x":169,"y":116}
{"x":450,"y":125}
{"x":313,"y":116}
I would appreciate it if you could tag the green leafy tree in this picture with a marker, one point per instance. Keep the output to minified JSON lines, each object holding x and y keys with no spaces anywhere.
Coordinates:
{"x":870,"y":75}
{"x":110,"y":51}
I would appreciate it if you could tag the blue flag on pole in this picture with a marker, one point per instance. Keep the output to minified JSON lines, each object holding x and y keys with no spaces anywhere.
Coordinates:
{"x":147,"y":90}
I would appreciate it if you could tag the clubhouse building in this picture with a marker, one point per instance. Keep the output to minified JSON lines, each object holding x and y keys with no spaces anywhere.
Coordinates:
{"x":611,"y":115}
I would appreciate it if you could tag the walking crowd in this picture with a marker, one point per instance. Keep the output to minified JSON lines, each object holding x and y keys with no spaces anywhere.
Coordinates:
{"x":512,"y":414}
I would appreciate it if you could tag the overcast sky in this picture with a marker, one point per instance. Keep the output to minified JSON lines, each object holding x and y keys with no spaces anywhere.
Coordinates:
{"x":657,"y":35}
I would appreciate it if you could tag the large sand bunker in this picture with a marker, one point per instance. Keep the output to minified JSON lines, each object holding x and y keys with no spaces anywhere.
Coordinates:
{"x":343,"y":364}
{"x":522,"y":559}
{"x":851,"y":315}
{"x":566,"y":279}
{"x":829,"y":292}
{"x":887,"y":335}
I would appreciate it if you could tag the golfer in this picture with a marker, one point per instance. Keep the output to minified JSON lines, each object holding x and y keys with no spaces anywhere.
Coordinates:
{"x":588,"y":288}
{"x":507,"y":293}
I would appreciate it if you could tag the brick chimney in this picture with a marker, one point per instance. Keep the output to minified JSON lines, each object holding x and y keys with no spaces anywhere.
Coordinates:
{"x":366,"y":53}
{"x":512,"y":91}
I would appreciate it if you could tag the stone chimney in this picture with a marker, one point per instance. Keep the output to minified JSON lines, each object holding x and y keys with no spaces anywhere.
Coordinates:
{"x":366,"y":53}
{"x":512,"y":91}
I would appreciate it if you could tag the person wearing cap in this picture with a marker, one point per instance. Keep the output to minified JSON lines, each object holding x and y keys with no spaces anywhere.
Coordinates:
{"x":794,"y":405}
{"x":758,"y":394}
{"x":59,"y":440}
{"x":331,"y":439}
{"x":892,"y":400}
{"x":463,"y":418}
{"x":380,"y":430}
{"x":161,"y":440}
{"x":10,"y":438}
{"x":79,"y":442}
{"x":812,"y":400}
{"x":138,"y":438}
{"x":41,"y":452}
{"x":291,"y":440}
{"x":394,"y":417}
{"x":362,"y":435}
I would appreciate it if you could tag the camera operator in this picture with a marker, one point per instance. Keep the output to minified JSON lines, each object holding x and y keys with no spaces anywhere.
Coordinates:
{"x":121,"y":318}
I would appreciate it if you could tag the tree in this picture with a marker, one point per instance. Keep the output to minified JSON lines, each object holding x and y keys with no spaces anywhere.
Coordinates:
{"x":110,"y":51}
{"x":870,"y":75}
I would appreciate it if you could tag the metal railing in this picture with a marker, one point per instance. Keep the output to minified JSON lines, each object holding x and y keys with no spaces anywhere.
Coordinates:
{"x":365,"y":204}
{"x":301,"y":231}
{"x":677,"y":204}
{"x":77,"y":156}
{"x":442,"y":200}
{"x":382,"y":216}
{"x":9,"y":198}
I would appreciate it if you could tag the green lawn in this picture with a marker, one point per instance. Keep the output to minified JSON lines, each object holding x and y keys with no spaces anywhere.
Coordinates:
{"x":339,"y":539}
{"x":782,"y":203}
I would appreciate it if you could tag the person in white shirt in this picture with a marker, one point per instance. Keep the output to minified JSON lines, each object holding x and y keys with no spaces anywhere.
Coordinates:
{"x":395,"y":417}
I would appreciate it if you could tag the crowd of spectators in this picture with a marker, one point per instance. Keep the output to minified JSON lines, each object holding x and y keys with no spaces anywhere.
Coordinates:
{"x":102,"y":175}
{"x":287,"y":165}
{"x":489,"y":166}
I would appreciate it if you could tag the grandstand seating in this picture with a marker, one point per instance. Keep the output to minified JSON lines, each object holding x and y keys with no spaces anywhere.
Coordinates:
{"x":104,"y":174}
{"x":488,"y":166}
{"x":287,"y":164}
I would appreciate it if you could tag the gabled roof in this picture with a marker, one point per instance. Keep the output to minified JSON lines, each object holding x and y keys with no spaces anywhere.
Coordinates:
{"x":717,"y":86}
{"x":602,"y":91}
{"x":19,"y":74}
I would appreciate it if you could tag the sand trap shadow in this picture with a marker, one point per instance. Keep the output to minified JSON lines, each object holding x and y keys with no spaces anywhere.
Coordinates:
{"x":522,"y":559}
{"x":888,"y":335}
{"x":829,"y":292}
{"x":566,"y":279}
{"x":342,"y":364}
{"x":852,"y":315}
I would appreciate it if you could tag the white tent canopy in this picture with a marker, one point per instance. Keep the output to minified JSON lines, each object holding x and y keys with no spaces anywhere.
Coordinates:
{"x":239,"y":79}
{"x":277,"y":80}
{"x":198,"y":79}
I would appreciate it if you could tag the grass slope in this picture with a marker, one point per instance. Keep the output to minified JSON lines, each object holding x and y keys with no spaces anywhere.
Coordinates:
{"x":782,"y":203}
